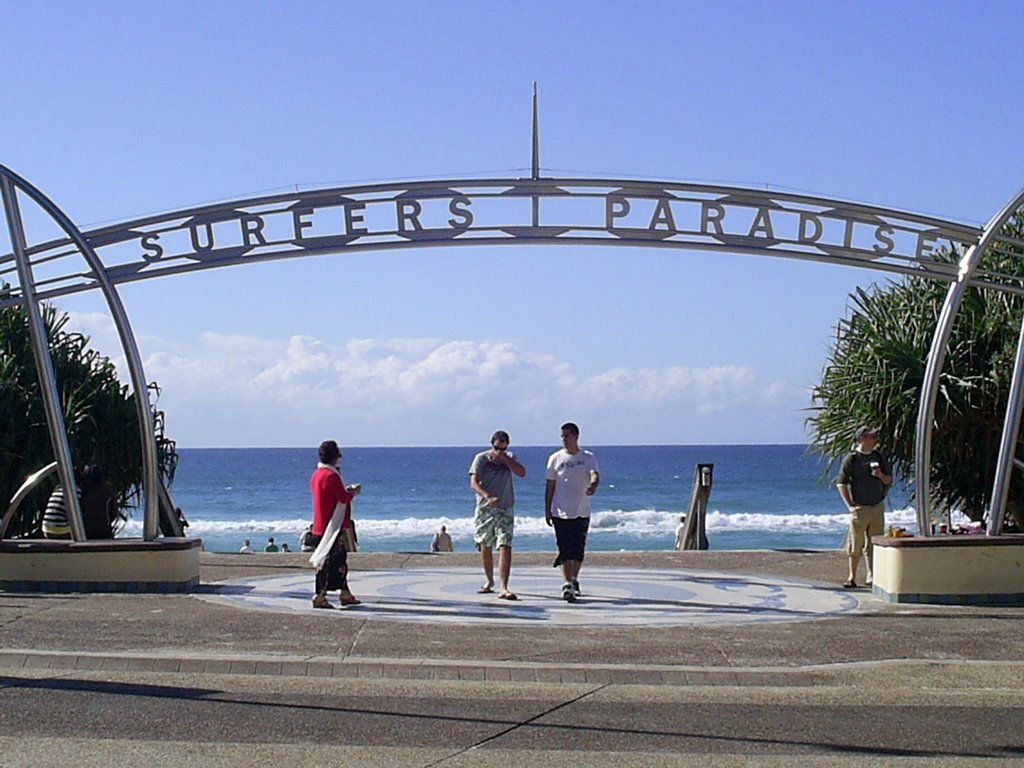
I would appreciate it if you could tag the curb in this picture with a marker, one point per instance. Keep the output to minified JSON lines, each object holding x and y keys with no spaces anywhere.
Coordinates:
{"x":405,"y":669}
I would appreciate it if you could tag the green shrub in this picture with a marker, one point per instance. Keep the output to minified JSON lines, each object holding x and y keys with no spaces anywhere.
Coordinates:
{"x":99,"y":413}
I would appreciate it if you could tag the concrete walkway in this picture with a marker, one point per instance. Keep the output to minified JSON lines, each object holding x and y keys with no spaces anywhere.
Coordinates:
{"x":691,"y":610}
{"x":614,"y":596}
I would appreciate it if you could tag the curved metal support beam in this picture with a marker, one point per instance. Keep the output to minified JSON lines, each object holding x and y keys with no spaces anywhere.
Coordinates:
{"x":44,"y":361}
{"x":937,"y":356}
{"x":1007,"y":445}
{"x":19,"y":496}
{"x":150,"y":475}
{"x":1011,"y":428}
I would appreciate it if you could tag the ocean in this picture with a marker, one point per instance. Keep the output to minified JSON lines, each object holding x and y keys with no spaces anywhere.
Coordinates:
{"x":763,"y":497}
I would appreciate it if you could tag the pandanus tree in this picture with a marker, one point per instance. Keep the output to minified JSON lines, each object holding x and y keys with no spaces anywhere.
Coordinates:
{"x":99,"y":413}
{"x":875,"y":368}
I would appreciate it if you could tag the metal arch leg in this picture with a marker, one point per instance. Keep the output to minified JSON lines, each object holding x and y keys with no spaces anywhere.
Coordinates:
{"x":926,"y":408}
{"x":1008,"y":444}
{"x":31,"y":482}
{"x":933,"y":371}
{"x":44,"y":363}
{"x":150,"y":476}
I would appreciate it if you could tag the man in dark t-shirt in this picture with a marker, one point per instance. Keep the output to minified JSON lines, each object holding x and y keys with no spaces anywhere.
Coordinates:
{"x":864,"y":479}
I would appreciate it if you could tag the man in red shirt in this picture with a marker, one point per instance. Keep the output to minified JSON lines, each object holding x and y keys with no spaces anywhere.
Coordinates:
{"x":331,"y":497}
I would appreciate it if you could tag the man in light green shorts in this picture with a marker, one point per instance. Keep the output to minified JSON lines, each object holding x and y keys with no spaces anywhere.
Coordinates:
{"x":490,"y":477}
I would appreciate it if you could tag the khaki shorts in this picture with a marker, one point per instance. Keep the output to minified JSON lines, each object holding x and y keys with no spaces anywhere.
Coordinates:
{"x":493,"y":526}
{"x":865,"y":522}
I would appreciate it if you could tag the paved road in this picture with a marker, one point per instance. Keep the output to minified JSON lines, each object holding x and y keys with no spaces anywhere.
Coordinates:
{"x":202,"y":680}
{"x":154,"y":719}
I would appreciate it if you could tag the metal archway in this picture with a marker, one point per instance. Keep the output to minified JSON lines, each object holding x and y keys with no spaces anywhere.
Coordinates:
{"x":503,"y":211}
{"x":10,"y":185}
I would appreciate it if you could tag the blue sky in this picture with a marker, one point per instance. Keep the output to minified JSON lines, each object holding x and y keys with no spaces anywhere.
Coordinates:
{"x":121,"y":109}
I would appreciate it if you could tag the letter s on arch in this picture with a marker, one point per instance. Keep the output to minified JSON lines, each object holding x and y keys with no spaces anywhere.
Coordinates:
{"x":153,"y":250}
{"x":459,"y":206}
{"x":885,"y":242}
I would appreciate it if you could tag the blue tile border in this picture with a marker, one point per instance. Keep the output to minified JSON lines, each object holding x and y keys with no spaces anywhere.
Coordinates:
{"x":136,"y":587}
{"x":998,"y":599}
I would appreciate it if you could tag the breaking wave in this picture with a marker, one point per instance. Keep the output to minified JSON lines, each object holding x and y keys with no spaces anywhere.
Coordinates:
{"x":642,"y":522}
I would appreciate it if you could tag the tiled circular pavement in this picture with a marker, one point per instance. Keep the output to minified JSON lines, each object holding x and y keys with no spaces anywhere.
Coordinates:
{"x":612,"y":596}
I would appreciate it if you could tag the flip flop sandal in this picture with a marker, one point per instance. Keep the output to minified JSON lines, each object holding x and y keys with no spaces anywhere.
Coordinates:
{"x":484,"y":591}
{"x":851,"y":584}
{"x":507,"y":596}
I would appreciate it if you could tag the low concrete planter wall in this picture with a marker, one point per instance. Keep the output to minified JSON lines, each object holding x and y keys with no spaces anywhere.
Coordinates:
{"x":951,"y":570}
{"x":118,"y":565}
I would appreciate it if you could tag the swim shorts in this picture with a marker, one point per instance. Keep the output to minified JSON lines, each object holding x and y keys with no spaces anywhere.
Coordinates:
{"x":493,"y":526}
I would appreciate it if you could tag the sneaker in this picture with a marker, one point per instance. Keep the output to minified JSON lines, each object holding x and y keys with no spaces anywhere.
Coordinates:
{"x":576,"y":588}
{"x":567,"y":594}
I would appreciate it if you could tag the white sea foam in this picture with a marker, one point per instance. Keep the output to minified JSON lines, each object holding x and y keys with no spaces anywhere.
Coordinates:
{"x":641,"y":522}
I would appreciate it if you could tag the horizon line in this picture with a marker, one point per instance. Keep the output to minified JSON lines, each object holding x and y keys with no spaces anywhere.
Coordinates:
{"x":473,"y":445}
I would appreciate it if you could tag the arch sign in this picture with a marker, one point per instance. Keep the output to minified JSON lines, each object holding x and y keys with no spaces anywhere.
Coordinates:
{"x":508,"y":211}
{"x":500,"y":211}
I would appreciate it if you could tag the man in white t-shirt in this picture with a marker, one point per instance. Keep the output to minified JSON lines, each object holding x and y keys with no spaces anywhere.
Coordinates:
{"x":572,"y":478}
{"x":680,"y":533}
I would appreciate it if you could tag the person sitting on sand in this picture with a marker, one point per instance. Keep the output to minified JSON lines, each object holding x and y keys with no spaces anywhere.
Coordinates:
{"x":441,"y":542}
{"x":307,"y":540}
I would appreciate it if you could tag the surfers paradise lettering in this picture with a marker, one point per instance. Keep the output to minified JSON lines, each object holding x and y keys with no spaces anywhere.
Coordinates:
{"x":721,"y":221}
{"x":347,"y":220}
{"x":758,"y":220}
{"x":546,"y":211}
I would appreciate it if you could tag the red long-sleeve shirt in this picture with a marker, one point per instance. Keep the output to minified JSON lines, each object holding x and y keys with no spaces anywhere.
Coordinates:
{"x":328,"y":491}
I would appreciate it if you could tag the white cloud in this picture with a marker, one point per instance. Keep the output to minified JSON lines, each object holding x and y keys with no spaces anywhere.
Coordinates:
{"x":653,"y":387}
{"x":242,"y":390}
